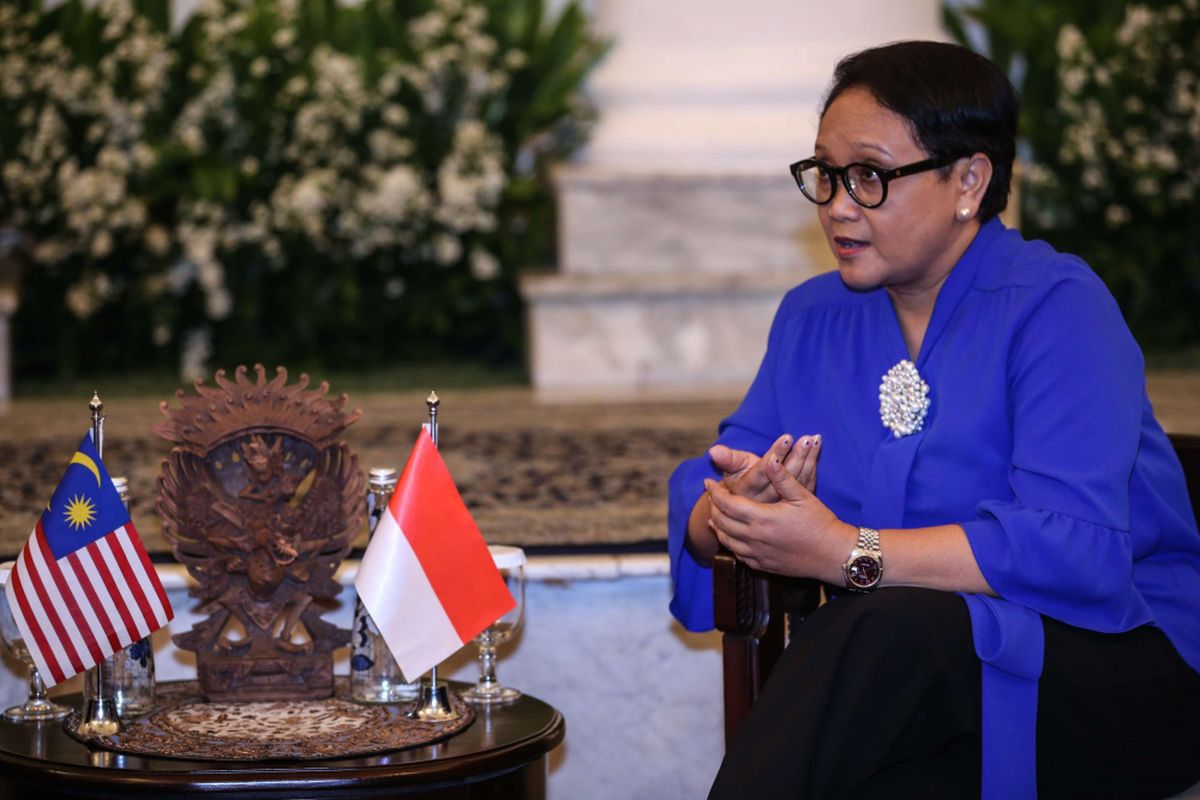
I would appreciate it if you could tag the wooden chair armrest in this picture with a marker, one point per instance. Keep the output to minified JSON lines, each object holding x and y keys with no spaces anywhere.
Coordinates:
{"x":743,"y":601}
{"x":741,"y":597}
{"x":750,"y":608}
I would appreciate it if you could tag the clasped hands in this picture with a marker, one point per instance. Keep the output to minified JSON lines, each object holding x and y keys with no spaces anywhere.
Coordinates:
{"x":765,"y":513}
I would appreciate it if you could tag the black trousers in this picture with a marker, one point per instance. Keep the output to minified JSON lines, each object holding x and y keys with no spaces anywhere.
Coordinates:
{"x":878,"y":696}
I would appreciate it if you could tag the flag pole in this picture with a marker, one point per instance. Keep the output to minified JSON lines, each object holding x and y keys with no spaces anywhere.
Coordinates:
{"x":99,"y":716}
{"x":435,"y":697}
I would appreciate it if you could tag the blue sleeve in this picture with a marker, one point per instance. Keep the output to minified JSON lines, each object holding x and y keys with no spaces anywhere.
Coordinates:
{"x":1061,"y":543}
{"x":753,"y":427}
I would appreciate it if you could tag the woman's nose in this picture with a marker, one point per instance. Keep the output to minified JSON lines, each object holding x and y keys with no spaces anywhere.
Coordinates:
{"x":843,"y":206}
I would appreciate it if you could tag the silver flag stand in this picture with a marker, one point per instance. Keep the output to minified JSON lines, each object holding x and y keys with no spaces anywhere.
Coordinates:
{"x":435,"y":697}
{"x":99,"y":716}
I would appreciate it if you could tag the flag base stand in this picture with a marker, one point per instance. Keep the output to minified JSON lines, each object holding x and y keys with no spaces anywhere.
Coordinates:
{"x":435,"y":703}
{"x":99,"y":718}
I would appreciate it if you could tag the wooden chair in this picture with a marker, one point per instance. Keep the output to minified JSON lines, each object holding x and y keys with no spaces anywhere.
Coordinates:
{"x":751,"y":610}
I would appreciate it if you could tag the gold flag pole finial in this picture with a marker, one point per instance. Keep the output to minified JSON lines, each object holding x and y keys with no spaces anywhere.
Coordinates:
{"x":432,"y":402}
{"x":97,"y":408}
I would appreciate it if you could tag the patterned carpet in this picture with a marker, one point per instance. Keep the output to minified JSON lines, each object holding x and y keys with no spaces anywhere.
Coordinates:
{"x":533,"y":475}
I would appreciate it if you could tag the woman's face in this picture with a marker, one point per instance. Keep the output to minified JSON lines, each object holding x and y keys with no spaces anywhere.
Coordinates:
{"x":911,"y":242}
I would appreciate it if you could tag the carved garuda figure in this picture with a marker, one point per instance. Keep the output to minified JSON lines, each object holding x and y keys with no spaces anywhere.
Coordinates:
{"x":261,"y":503}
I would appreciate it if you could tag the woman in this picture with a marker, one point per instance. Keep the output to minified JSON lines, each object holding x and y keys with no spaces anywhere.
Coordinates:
{"x":988,"y":476}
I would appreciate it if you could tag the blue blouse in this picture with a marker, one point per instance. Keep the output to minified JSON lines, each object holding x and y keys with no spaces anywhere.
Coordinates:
{"x":1040,"y":441}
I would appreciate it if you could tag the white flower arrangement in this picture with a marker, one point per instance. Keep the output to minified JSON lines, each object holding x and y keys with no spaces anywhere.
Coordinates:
{"x":1121,"y":144}
{"x":1109,"y":139}
{"x":177,"y":165}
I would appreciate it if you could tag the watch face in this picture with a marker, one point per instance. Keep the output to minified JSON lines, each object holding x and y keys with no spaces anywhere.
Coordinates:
{"x":863,"y":572}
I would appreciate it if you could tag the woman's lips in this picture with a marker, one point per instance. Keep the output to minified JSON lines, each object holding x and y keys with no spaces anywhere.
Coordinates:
{"x":847,"y":246}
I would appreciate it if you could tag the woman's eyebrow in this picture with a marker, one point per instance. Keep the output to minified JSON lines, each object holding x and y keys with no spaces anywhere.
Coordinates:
{"x":874,"y":146}
{"x":819,"y":148}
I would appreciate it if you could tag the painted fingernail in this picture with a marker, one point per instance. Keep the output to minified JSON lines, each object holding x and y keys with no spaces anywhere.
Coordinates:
{"x":817,"y":440}
{"x":806,"y":442}
{"x":786,"y":441}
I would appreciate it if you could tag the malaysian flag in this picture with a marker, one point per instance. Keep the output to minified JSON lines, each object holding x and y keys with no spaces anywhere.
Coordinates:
{"x":83,"y":586}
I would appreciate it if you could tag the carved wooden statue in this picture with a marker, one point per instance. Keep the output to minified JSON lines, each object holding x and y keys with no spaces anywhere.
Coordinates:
{"x":261,"y":503}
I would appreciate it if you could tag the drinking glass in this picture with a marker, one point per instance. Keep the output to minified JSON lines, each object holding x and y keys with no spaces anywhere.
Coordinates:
{"x":37,"y":707}
{"x":511,"y":563}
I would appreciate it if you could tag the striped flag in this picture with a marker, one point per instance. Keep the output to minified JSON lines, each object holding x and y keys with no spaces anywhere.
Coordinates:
{"x":427,"y":578}
{"x":83,"y":586}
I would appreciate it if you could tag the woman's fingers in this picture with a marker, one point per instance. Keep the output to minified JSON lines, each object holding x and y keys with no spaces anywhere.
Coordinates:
{"x":786,"y":485}
{"x":801,"y":462}
{"x":807,"y":472}
{"x":728,"y":504}
{"x":781,"y":447}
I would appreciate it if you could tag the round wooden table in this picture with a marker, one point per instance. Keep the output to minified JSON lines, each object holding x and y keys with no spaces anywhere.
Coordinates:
{"x":501,"y":755}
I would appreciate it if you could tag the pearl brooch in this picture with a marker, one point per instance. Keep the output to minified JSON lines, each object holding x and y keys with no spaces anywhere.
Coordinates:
{"x":903,"y":399}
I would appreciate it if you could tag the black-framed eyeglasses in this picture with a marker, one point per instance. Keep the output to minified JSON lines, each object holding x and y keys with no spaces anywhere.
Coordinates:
{"x":868,"y":185}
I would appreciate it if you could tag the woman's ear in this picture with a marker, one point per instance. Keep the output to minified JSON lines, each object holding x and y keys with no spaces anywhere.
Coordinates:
{"x":974,"y":179}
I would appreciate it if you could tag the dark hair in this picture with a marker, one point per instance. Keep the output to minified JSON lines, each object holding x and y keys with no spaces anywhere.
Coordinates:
{"x":956,"y":101}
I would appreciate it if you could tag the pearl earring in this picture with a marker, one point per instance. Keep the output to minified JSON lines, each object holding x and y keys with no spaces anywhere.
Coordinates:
{"x":964,"y":214}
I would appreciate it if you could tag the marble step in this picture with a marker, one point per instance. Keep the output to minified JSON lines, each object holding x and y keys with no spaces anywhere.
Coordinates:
{"x":657,"y":334}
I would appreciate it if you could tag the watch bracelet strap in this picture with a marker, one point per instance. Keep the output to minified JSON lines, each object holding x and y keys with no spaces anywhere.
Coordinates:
{"x":868,"y":539}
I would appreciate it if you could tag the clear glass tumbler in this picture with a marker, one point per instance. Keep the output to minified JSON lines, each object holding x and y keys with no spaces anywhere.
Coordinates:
{"x":511,"y":563}
{"x":37,"y":706}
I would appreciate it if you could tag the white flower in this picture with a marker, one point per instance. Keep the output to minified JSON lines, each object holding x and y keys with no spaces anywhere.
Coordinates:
{"x":308,"y":199}
{"x":88,"y":295}
{"x":1073,"y":79}
{"x":391,"y":197}
{"x":1070,"y":42}
{"x":1092,"y":178}
{"x":192,"y":139}
{"x":197,"y":349}
{"x":296,"y":86}
{"x":1148,"y":186}
{"x":484,"y":265}
{"x":157,"y":240}
{"x":259,"y":67}
{"x":102,"y":244}
{"x":1116,"y":215}
{"x":515,"y":60}
{"x":425,"y":28}
{"x":393,"y":288}
{"x":394,"y":115}
{"x":218,"y":303}
{"x":446,"y":249}
{"x":1137,"y":19}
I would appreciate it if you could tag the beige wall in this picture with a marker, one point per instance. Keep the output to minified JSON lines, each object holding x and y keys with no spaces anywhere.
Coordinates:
{"x":721,"y":84}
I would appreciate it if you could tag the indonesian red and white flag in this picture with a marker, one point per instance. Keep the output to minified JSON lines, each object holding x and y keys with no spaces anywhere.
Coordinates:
{"x":83,"y":586}
{"x":427,"y":578}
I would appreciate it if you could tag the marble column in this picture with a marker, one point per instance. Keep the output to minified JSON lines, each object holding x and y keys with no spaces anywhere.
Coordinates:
{"x":680,"y":228}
